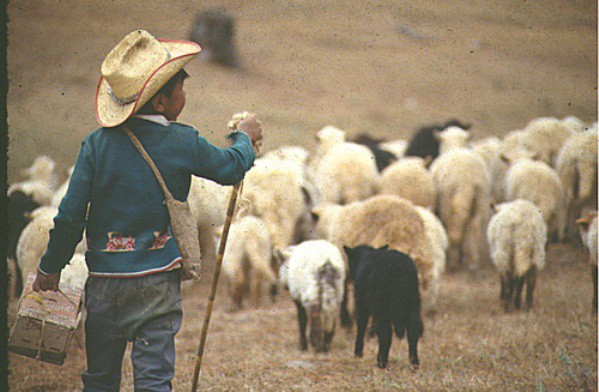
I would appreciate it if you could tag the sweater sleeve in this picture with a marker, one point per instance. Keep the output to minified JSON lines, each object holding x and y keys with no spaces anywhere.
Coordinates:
{"x":226,"y":166}
{"x":70,"y":221}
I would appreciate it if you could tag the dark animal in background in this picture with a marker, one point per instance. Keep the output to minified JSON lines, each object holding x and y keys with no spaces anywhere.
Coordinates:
{"x":424,"y":144}
{"x":19,"y":206}
{"x":214,"y":31}
{"x":386,"y":288}
{"x":382,"y":157}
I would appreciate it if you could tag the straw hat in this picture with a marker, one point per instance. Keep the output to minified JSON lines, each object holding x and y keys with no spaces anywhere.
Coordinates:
{"x":134,"y":70}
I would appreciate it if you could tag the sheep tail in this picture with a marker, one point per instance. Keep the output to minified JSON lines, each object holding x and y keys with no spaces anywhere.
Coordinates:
{"x":327,"y":275}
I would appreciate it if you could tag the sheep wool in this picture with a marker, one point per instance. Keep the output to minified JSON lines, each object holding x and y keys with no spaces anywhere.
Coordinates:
{"x":537,"y":182}
{"x":545,"y":136}
{"x":314,"y":273}
{"x":517,"y":235}
{"x":409,"y":178}
{"x":577,"y":169}
{"x":246,"y":261}
{"x":463,"y":197}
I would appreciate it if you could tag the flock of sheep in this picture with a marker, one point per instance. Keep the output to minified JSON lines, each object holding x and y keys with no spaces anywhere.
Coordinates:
{"x":441,"y":199}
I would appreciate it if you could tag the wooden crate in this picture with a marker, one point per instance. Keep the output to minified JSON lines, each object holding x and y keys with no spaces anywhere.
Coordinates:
{"x":46,"y":322}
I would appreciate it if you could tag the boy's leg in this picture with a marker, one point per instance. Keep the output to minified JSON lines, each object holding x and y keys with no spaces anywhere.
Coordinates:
{"x":153,"y":353}
{"x":104,"y":344}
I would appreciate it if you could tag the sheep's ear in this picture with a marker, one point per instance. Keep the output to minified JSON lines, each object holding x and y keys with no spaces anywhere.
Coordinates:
{"x":315,"y":215}
{"x":493,"y":206}
{"x":427,"y":161}
{"x":348,"y":251}
{"x":437,"y":135}
{"x":583,"y":222}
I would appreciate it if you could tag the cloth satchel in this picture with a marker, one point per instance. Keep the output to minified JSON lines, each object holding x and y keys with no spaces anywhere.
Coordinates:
{"x":183,"y":224}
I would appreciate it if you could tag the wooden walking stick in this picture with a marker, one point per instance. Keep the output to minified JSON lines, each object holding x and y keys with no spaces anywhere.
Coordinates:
{"x":235,"y":193}
{"x":219,"y":260}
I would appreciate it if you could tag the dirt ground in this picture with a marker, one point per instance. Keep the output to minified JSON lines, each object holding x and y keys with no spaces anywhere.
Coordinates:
{"x":382,"y":67}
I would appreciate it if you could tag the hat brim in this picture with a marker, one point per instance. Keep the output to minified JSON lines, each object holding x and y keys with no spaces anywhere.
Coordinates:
{"x":109,"y":113}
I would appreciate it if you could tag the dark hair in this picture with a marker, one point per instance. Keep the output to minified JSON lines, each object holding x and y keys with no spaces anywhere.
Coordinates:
{"x":167,"y":90}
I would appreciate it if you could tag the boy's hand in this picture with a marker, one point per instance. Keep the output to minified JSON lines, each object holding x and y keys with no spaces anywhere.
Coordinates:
{"x":46,"y":282}
{"x":253,"y":128}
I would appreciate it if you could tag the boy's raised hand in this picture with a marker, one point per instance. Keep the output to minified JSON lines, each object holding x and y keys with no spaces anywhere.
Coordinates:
{"x":250,"y":125}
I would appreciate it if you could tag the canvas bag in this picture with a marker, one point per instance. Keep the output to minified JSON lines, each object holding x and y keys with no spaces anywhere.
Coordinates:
{"x":183,"y":224}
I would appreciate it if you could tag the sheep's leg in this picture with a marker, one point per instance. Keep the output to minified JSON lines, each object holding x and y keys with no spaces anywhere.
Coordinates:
{"x":594,"y":275}
{"x":518,"y":295}
{"x":415,"y":329}
{"x":362,"y":321}
{"x":345,"y":317}
{"x":384,"y":333}
{"x":506,"y":291}
{"x":531,"y":279}
{"x":302,"y":319}
{"x":256,"y":288}
{"x":328,"y":338}
{"x":453,"y":257}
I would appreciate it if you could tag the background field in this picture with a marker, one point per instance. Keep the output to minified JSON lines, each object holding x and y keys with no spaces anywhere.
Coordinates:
{"x":383,"y":67}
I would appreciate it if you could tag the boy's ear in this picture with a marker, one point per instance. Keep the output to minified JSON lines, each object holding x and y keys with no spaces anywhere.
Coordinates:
{"x":158,"y":103}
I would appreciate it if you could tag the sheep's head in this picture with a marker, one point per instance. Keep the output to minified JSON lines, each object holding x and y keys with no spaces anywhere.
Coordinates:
{"x":330,"y":135}
{"x":450,"y":138}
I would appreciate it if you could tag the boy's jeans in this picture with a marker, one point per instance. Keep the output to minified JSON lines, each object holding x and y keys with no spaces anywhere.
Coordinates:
{"x":145,"y":310}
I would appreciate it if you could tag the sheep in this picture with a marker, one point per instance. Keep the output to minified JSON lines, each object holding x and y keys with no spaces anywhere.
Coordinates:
{"x":396,"y":147}
{"x":577,"y":169}
{"x":378,"y":221}
{"x":346,"y":173}
{"x":545,"y":136}
{"x":423,"y":142}
{"x":208,"y":203}
{"x":588,"y":233}
{"x":19,"y":208}
{"x":537,"y":182}
{"x":386,"y":288}
{"x":40,"y":182}
{"x":574,"y":123}
{"x":463,"y":189}
{"x":246,"y":264}
{"x":409,"y":178}
{"x":75,"y":272}
{"x":451,"y":138}
{"x":314,"y":273}
{"x":298,"y":157}
{"x":33,"y":241}
{"x":517,"y":235}
{"x":439,"y":245}
{"x":274,"y":192}
{"x":382,"y":156}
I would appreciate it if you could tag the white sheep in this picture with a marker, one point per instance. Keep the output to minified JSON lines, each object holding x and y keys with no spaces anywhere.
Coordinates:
{"x":75,"y":272}
{"x":588,"y":233}
{"x":40,"y":181}
{"x":208,"y":202}
{"x":346,"y":173}
{"x":439,"y":244}
{"x":537,"y":182}
{"x":545,"y":136}
{"x":577,"y":169}
{"x":396,"y":147}
{"x":246,"y":264}
{"x":410,"y":179}
{"x":314,"y":273}
{"x":33,"y":240}
{"x":274,"y":192}
{"x":451,"y":138}
{"x":463,"y":198}
{"x":517,"y":235}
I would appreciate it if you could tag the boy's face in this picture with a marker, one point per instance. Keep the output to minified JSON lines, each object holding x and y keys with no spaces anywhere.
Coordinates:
{"x":173,"y":105}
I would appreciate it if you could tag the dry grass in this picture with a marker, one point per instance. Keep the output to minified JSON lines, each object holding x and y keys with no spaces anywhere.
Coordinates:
{"x":469,"y":343}
{"x":384,"y":67}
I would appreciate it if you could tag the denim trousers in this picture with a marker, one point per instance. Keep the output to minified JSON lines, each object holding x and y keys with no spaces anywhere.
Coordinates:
{"x":144,"y":310}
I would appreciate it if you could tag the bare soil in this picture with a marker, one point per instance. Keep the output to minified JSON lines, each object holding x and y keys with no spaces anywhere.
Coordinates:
{"x":382,"y":67}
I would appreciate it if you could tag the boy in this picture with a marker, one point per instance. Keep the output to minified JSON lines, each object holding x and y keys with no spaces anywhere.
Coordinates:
{"x":133,"y":289}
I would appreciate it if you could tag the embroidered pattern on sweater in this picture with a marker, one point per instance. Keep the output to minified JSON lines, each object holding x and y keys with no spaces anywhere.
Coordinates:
{"x":160,"y":239}
{"x":119,"y":243}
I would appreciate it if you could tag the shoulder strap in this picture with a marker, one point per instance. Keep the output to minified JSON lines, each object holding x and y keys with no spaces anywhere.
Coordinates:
{"x":149,"y":160}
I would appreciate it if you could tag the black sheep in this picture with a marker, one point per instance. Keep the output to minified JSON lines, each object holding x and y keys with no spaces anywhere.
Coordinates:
{"x":386,"y":288}
{"x":424,"y":143}
{"x":382,"y":157}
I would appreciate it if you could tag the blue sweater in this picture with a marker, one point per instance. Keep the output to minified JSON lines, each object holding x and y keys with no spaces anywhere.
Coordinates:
{"x":114,"y":196}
